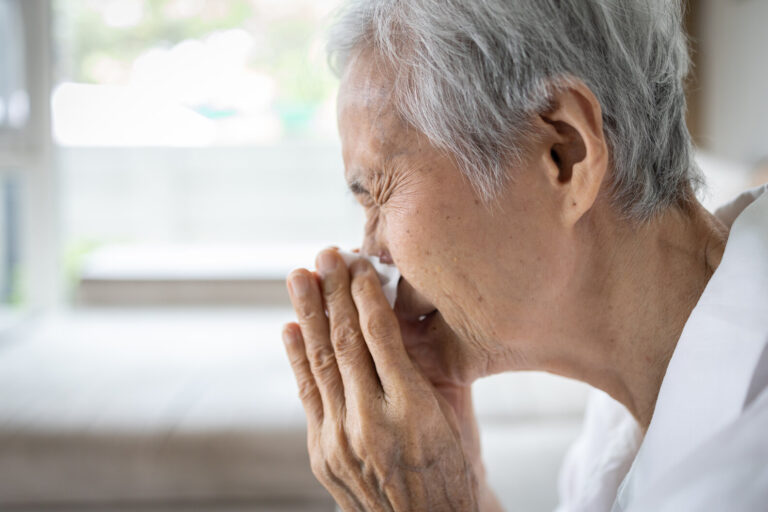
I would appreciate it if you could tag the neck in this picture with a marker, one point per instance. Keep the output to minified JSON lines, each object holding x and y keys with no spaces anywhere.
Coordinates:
{"x":633,"y":295}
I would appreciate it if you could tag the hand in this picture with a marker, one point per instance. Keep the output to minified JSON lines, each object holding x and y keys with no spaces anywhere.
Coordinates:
{"x":428,"y":348}
{"x":437,"y":351}
{"x":379,"y":436}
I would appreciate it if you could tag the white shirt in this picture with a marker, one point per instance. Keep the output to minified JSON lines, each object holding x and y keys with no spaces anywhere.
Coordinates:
{"x":706,"y":447}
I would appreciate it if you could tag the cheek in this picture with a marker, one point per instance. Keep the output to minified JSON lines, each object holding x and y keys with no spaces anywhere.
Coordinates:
{"x":410,"y":242}
{"x":434,"y":254}
{"x":430,"y":248}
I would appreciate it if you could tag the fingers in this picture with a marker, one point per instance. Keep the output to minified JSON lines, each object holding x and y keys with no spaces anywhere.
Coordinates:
{"x":380,"y":327}
{"x":358,"y":349}
{"x":313,"y":406}
{"x":308,"y":392}
{"x":352,"y":356}
{"x":308,"y":304}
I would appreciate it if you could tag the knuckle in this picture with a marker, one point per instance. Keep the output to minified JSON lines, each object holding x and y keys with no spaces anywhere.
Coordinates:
{"x":334,"y":293}
{"x":322,"y":359}
{"x":346,"y":337}
{"x":380,"y":328}
{"x":338,"y":465}
{"x":336,"y":297}
{"x":338,"y":439}
{"x":307,"y":311}
{"x":307,"y":388}
{"x":319,"y":468}
{"x":296,"y":361}
{"x":331,"y":467}
{"x":296,"y":358}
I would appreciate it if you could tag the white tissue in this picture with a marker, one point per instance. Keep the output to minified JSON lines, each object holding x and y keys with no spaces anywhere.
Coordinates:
{"x":389,"y":275}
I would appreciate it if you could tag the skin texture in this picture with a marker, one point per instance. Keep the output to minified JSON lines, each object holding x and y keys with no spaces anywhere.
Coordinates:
{"x":547,"y":278}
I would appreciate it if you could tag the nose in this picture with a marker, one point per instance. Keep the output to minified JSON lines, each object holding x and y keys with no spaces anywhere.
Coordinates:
{"x":373,"y":248}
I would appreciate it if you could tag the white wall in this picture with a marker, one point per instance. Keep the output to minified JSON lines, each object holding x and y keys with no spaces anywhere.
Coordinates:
{"x":253,"y":195}
{"x":734,"y":69}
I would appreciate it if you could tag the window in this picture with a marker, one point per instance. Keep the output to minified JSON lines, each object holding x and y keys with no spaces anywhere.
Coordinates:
{"x":27,"y":231}
{"x":180,"y":127}
{"x":14,"y":113}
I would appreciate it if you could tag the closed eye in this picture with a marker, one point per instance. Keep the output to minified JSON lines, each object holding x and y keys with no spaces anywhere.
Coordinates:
{"x":361,"y":198}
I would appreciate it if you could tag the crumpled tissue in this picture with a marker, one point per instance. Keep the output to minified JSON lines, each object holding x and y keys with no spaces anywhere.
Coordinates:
{"x":388,"y":274}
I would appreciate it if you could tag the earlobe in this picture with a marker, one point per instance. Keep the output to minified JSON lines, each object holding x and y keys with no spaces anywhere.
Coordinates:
{"x":579,"y":151}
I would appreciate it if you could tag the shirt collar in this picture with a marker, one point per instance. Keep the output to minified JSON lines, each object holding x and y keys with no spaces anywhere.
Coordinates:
{"x":710,"y":374}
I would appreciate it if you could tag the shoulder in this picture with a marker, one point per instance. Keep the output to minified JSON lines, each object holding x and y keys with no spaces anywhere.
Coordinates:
{"x":728,"y":472}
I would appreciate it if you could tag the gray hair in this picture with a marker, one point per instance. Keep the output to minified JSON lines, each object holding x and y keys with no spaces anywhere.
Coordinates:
{"x":469,"y":74}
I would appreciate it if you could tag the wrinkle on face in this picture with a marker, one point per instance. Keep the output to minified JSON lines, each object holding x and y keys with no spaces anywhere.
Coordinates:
{"x":366,"y":100}
{"x":425,"y":213}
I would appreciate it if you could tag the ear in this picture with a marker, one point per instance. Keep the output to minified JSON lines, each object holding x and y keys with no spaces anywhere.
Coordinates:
{"x":577,"y":160}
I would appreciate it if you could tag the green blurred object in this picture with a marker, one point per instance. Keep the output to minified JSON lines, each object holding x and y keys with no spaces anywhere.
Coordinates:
{"x":283,"y":50}
{"x":89,"y":35}
{"x":296,"y":116}
{"x":75,"y":254}
{"x":214,"y":113}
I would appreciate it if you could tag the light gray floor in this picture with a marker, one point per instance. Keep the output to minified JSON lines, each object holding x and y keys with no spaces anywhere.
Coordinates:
{"x":213,"y":506}
{"x":197,"y":410}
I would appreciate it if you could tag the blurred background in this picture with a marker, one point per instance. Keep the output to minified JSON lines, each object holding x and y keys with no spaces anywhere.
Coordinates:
{"x":163,"y":165}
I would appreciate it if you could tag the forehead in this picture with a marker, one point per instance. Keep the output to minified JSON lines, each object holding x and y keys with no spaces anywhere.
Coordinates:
{"x":366,"y":90}
{"x":371,"y":130}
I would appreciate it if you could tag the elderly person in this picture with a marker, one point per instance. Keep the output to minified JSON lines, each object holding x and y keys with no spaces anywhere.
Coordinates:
{"x":526,"y":166}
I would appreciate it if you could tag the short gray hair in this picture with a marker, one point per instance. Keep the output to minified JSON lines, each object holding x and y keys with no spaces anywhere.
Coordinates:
{"x":469,"y":74}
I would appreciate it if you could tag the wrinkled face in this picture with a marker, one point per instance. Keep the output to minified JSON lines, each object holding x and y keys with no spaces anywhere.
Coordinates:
{"x":488,"y":272}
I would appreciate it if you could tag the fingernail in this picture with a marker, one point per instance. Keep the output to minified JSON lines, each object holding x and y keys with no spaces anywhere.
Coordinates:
{"x":327,"y":261}
{"x":289,"y":337}
{"x":299,"y":285}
